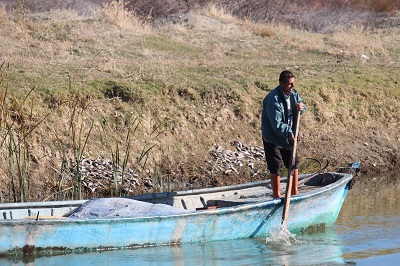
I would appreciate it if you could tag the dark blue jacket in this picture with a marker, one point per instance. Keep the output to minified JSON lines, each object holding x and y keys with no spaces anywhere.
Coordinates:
{"x":274,"y":118}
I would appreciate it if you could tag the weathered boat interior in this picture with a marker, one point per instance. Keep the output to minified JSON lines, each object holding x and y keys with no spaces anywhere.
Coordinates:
{"x":192,"y":200}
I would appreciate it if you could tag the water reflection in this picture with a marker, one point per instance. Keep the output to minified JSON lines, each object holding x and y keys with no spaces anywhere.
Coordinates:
{"x":321,"y":248}
{"x":372,"y":195}
{"x":369,"y":222}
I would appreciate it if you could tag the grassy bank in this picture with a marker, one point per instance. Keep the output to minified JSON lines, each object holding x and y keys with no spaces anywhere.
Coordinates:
{"x":76,"y":87}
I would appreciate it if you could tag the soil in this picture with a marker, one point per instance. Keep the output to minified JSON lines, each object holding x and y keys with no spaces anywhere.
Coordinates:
{"x":376,"y":145}
{"x":198,"y":164}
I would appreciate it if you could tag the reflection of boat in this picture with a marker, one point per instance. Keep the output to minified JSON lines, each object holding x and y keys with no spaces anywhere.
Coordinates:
{"x":232,"y":212}
{"x":322,"y":248}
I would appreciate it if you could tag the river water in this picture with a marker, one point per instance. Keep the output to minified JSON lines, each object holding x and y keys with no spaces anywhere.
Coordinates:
{"x":367,"y":232}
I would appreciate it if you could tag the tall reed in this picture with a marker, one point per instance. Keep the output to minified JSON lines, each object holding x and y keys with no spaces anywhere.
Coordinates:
{"x":119,"y":168}
{"x":15,"y":128}
{"x":77,"y":142}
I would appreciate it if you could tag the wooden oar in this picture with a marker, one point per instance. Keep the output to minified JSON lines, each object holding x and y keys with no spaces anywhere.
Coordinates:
{"x":290,"y":170}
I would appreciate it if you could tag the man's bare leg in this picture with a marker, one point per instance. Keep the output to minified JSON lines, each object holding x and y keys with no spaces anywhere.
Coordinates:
{"x":276,"y":185}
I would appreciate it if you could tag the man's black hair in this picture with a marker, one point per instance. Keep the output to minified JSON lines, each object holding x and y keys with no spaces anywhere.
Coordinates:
{"x":285,"y":76}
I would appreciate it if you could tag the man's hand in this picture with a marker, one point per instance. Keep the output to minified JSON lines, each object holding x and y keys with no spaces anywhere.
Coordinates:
{"x":298,"y":138}
{"x":300,"y":107}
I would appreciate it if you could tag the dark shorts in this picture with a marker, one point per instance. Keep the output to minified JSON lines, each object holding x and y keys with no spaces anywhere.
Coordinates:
{"x":275,"y":155}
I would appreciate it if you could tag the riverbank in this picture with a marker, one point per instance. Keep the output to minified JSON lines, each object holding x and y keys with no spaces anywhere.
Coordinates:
{"x":76,"y":87}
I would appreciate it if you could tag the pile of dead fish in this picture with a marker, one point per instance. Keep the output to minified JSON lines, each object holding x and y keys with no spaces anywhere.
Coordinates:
{"x":99,"y":174}
{"x":227,"y":161}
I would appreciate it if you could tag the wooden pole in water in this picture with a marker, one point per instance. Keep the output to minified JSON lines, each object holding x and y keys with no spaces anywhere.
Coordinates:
{"x":290,"y":170}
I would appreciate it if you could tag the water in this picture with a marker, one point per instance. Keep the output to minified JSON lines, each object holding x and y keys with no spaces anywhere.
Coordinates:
{"x":367,"y":232}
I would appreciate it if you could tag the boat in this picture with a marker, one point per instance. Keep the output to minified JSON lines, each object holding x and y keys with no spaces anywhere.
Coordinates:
{"x":208,"y":214}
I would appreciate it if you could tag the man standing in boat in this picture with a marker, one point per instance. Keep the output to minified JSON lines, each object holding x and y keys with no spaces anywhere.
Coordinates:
{"x":278,"y":120}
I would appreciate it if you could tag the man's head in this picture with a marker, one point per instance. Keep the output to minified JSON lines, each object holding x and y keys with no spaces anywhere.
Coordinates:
{"x":286,"y":81}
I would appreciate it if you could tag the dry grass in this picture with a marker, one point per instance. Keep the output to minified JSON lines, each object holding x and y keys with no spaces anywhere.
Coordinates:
{"x":356,"y":40}
{"x":116,"y":13}
{"x":191,"y":81}
{"x":212,"y":10}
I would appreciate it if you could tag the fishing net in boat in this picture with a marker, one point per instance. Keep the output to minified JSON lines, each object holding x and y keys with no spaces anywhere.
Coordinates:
{"x":122,"y":207}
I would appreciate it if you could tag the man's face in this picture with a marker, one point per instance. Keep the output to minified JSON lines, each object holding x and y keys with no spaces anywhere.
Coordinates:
{"x":287,"y":86}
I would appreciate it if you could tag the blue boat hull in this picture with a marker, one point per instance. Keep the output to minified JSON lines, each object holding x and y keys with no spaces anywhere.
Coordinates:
{"x":257,"y":219}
